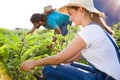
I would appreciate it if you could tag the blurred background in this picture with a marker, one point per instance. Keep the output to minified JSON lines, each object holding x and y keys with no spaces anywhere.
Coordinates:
{"x":16,"y":13}
{"x":111,"y":10}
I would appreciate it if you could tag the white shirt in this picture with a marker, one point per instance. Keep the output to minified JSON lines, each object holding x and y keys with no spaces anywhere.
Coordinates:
{"x":100,"y":51}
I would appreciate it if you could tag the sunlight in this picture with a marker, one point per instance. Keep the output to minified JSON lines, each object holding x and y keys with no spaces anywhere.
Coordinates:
{"x":117,"y":2}
{"x":117,"y":5}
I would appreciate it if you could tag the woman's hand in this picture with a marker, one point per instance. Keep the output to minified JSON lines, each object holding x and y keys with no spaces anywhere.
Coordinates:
{"x":28,"y":65}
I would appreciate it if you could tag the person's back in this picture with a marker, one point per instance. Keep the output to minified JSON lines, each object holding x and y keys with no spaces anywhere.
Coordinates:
{"x":55,"y":19}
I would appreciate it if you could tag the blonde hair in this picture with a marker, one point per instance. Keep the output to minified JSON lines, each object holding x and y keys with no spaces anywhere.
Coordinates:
{"x":99,"y":20}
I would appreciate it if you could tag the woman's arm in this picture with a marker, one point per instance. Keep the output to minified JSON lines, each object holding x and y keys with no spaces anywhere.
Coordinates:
{"x":68,"y":53}
{"x":76,"y":57}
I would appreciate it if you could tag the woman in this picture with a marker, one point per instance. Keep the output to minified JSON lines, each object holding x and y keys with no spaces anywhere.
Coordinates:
{"x":91,"y":42}
{"x":51,"y":20}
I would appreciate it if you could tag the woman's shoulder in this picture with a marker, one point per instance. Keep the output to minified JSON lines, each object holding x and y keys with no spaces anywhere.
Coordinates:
{"x":92,"y":28}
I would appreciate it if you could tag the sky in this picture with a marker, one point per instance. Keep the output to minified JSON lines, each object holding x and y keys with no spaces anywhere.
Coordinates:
{"x":17,"y":13}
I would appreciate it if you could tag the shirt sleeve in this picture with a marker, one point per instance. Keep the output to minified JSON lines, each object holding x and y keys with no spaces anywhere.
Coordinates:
{"x":84,"y":35}
{"x":89,"y":34}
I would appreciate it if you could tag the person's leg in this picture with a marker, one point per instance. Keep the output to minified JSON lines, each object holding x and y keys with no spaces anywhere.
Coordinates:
{"x":64,"y":29}
{"x":99,"y":75}
{"x":66,"y":72}
{"x":83,"y":66}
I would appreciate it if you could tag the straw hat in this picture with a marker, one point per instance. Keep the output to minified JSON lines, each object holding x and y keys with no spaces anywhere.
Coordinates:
{"x":48,"y":9}
{"x":87,"y":4}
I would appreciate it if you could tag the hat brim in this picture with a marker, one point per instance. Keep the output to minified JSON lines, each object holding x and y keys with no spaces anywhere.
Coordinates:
{"x":64,"y":9}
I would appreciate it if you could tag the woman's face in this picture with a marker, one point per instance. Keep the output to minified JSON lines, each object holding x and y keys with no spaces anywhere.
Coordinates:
{"x":75,"y":16}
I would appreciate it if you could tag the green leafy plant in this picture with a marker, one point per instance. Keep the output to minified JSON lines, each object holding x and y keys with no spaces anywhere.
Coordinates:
{"x":13,"y":51}
{"x":116,"y":29}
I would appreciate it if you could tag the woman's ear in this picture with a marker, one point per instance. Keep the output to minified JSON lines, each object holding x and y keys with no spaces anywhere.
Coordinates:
{"x":80,"y":9}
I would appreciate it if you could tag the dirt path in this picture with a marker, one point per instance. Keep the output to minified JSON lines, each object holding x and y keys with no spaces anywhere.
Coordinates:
{"x":3,"y":75}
